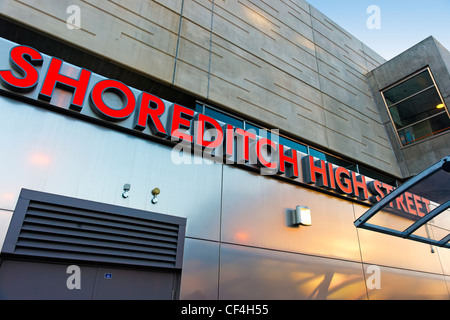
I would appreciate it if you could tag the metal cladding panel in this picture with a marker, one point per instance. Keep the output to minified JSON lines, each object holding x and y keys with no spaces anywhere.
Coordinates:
{"x":33,"y":280}
{"x":383,"y":249}
{"x":257,"y":212}
{"x":36,"y":280}
{"x":50,"y":226}
{"x":200,"y":270}
{"x":254,"y":273}
{"x":54,"y":153}
{"x":421,"y":254}
{"x":409,"y":285}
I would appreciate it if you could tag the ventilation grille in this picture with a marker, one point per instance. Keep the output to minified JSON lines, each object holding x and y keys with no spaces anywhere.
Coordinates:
{"x":67,"y":232}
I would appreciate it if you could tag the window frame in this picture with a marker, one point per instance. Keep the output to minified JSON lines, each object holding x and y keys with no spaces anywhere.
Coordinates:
{"x":445,"y":109}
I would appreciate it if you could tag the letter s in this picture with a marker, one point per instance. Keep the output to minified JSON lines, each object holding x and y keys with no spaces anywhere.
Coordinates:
{"x":375,"y":190}
{"x":22,"y":59}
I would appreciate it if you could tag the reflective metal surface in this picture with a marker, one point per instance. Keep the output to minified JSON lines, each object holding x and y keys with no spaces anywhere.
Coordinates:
{"x":383,"y":249}
{"x":426,"y":197}
{"x":251,"y":273}
{"x":46,"y":151}
{"x":409,"y":285}
{"x":257,"y":212}
{"x":27,"y":280}
{"x":200,"y":276}
{"x":444,"y":254}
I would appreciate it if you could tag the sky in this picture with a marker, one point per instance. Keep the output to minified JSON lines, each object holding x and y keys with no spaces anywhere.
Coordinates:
{"x":400,"y":24}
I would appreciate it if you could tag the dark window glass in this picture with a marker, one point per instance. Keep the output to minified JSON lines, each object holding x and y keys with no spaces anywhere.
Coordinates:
{"x":377,"y":176}
{"x":332,"y":159}
{"x":292,"y":144}
{"x":408,"y":88}
{"x":224,"y":117}
{"x":199,"y":107}
{"x":257,"y":130}
{"x":416,"y":108}
{"x":425,"y":129}
{"x":317,"y":154}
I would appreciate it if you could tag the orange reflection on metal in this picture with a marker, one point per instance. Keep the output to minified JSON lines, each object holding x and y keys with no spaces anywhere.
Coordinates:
{"x":8,"y":196}
{"x":242,"y":236}
{"x":330,"y":285}
{"x":40,"y":159}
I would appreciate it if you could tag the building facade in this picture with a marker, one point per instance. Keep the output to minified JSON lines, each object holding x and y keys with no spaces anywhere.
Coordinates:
{"x":163,"y":148}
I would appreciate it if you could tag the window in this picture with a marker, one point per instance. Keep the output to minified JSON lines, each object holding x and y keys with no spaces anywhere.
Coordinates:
{"x":218,"y":115}
{"x":293,"y":144}
{"x":416,"y":108}
{"x":332,"y":159}
{"x":377,"y":176}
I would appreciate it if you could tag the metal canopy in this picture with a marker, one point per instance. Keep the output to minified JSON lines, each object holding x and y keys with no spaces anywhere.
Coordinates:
{"x":428,"y":191}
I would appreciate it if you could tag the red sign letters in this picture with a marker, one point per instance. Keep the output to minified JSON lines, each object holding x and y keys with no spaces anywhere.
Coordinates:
{"x":186,"y":125}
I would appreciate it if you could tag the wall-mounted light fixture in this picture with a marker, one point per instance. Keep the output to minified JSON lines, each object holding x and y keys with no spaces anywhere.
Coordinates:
{"x":126,"y":189}
{"x":446,"y":166}
{"x":301,"y":216}
{"x":155,"y":192}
